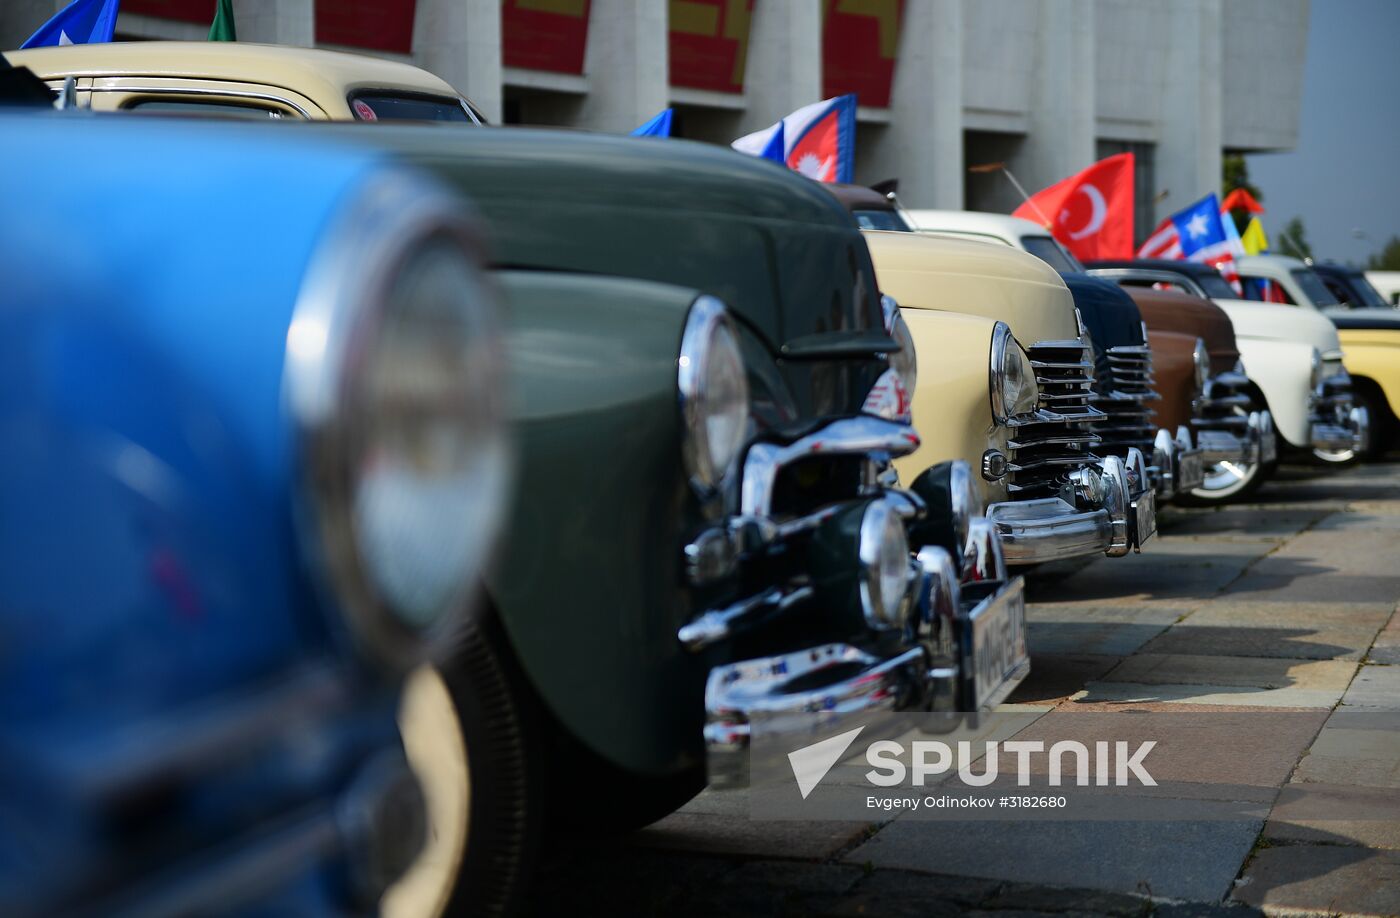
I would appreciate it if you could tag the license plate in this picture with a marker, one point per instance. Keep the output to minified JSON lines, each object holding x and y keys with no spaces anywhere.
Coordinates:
{"x":1191,"y":471}
{"x":1145,"y":516}
{"x":994,"y":653}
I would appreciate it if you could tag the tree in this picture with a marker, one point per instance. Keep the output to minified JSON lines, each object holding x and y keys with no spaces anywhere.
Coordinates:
{"x":1387,"y":259}
{"x":1293,"y":240}
{"x":1234,"y":173}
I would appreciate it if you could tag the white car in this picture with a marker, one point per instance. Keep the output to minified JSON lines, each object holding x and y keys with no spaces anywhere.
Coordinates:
{"x":1388,"y":283}
{"x":1295,"y":356}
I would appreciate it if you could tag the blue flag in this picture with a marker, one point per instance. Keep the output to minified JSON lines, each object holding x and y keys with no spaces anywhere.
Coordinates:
{"x":81,"y":22}
{"x":776,"y":148}
{"x":660,"y":126}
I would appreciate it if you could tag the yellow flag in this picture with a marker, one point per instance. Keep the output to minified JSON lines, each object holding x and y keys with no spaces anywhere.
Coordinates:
{"x":1253,"y":237}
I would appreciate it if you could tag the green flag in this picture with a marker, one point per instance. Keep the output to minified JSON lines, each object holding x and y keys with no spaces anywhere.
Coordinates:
{"x":222,"y":28}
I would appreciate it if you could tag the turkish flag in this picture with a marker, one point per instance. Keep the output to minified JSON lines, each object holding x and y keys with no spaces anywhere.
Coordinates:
{"x":1091,"y":213}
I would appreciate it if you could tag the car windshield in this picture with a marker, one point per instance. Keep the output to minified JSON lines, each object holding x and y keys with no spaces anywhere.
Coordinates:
{"x":1370,"y":297}
{"x":1215,"y":286}
{"x":1051,"y":252}
{"x":1313,"y":286}
{"x":392,"y":107}
{"x":881,"y":220}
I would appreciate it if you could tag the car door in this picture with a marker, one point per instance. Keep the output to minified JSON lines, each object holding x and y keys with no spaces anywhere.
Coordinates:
{"x":217,"y":98}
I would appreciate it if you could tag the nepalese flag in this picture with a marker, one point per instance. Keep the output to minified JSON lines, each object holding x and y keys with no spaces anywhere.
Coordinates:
{"x":81,"y":22}
{"x":660,"y":126}
{"x":1197,"y":233}
{"x":818,"y":140}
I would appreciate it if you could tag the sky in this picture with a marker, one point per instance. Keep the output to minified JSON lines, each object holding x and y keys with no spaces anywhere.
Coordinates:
{"x":1344,"y":175}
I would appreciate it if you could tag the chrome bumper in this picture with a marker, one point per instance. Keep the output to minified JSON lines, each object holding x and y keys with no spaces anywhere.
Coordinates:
{"x":1122,"y":517}
{"x":1177,"y":466}
{"x":1335,"y":423}
{"x":1255,"y":442}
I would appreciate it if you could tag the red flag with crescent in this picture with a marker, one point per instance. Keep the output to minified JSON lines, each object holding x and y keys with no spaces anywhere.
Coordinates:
{"x":1091,"y":212}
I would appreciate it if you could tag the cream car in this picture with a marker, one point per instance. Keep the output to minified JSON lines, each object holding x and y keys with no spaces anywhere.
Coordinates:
{"x":1030,"y":444}
{"x":236,"y":79}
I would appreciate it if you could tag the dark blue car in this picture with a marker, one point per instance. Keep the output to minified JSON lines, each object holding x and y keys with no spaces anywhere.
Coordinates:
{"x":251,"y":465}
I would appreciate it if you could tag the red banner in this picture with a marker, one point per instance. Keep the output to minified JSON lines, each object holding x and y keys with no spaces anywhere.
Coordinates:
{"x":860,"y":41}
{"x":709,"y":43}
{"x":379,"y":25}
{"x":544,"y":34}
{"x":182,"y":10}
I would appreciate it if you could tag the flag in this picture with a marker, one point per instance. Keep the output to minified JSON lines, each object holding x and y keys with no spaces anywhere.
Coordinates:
{"x":1197,"y":233}
{"x":81,"y":22}
{"x":818,"y":140}
{"x":1240,"y":199}
{"x":222,"y":28}
{"x":660,"y":126}
{"x":1254,"y":239}
{"x":1090,"y":212}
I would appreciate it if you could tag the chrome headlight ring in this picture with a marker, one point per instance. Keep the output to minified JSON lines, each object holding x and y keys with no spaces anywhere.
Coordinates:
{"x":1200,"y":357}
{"x":713,"y":385}
{"x":391,"y":377}
{"x":884,"y":567}
{"x":1014,"y":390}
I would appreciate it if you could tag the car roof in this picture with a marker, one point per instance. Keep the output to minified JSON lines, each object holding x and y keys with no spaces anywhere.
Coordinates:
{"x":304,"y":70}
{"x":973,"y":221}
{"x":1190,"y":268}
{"x":1250,"y":263}
{"x":859,"y":197}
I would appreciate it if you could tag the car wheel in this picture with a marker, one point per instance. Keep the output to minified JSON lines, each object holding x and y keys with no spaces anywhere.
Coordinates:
{"x":469,"y":728}
{"x":594,"y":796}
{"x":1228,"y":481}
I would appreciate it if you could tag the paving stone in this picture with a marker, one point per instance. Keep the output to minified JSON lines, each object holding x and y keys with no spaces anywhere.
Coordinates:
{"x":1195,"y":860}
{"x":900,"y":893}
{"x":1057,"y":676}
{"x":1122,"y":580}
{"x":1259,"y":672}
{"x":1098,"y":637}
{"x":1358,"y":748}
{"x":1125,"y":692}
{"x":1218,"y":632}
{"x":1285,"y":580}
{"x":1386,"y":649}
{"x":1323,"y":879}
{"x":1375,"y":688}
{"x":1364,"y":616}
{"x":725,"y":834}
{"x":1343,"y":551}
{"x":1336,"y":815}
{"x":604,"y":876}
{"x":1248,"y":522}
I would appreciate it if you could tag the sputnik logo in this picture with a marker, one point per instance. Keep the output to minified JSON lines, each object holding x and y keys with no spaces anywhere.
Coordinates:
{"x":811,"y":763}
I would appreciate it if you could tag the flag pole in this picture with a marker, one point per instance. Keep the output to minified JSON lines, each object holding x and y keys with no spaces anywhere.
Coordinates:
{"x":1001,"y":167}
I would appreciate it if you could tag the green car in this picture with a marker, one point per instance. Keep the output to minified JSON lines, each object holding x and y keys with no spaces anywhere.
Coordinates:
{"x":709,"y":393}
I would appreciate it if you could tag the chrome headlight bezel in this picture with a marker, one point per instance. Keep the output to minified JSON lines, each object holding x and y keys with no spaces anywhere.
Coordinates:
{"x":709,"y":364}
{"x":1200,"y":357}
{"x":964,"y":498}
{"x":1014,"y":390}
{"x":884,"y":567}
{"x":1315,"y":370}
{"x":362,"y":465}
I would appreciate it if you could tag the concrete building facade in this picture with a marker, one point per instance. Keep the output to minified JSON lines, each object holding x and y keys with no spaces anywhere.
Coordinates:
{"x":1044,"y":86}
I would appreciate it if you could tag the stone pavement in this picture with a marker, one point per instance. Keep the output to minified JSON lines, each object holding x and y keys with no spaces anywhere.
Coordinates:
{"x":1286,"y":605}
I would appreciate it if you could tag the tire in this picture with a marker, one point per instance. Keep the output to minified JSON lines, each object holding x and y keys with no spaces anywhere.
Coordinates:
{"x":616,"y":801}
{"x":1227,"y":482}
{"x":471,"y":732}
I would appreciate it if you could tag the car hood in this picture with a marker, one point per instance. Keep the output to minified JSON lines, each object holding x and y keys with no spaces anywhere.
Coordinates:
{"x":995,"y":281}
{"x":1167,"y":310}
{"x":1364,"y":318}
{"x":1274,"y":322}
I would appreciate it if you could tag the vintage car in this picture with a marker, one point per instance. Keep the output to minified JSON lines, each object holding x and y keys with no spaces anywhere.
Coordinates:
{"x":709,"y":530}
{"x":1294,"y":356}
{"x":236,"y":79}
{"x":1050,"y":494}
{"x":1387,"y":284}
{"x":1212,"y":397}
{"x":1025,"y":235}
{"x":239,"y":506}
{"x":1352,"y":287}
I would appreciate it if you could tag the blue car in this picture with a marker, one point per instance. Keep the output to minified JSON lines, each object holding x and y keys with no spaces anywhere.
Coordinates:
{"x":252,"y":462}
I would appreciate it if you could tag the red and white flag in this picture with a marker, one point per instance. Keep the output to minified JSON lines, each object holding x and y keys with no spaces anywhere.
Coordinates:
{"x":818,"y":140}
{"x":1091,"y":213}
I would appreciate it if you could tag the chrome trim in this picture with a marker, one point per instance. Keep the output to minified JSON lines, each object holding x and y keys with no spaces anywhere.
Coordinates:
{"x":340,"y":306}
{"x":707,"y":317}
{"x":879,"y":519}
{"x":721,"y":624}
{"x":848,"y":436}
{"x":207,"y":92}
{"x":1002,"y":342}
{"x":983,"y":556}
{"x":937,"y":599}
{"x":1049,"y":529}
{"x":964,"y":498}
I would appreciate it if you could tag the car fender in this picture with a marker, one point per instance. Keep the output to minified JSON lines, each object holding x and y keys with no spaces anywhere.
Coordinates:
{"x":588,"y":584}
{"x":1283,"y":372}
{"x":1174,"y":369}
{"x":1375,"y":354}
{"x":952,"y":402}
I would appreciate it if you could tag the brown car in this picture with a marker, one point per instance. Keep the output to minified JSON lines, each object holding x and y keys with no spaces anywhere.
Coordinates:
{"x":1208,"y":393}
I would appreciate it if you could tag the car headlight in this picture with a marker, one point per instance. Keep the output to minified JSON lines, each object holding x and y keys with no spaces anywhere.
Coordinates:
{"x":1315,"y":373}
{"x":1201,"y":358}
{"x":905,"y":360}
{"x":714,"y":393}
{"x":393,"y":361}
{"x":884,"y":566}
{"x":952,"y":500}
{"x":1013,"y":385}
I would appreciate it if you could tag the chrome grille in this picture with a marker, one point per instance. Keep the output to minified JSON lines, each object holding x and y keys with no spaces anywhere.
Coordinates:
{"x":1046,"y":447}
{"x":1126,"y":387}
{"x":1225,"y":405}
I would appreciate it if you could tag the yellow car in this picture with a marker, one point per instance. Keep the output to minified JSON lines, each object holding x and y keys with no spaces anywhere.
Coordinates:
{"x":234,"y":79}
{"x":1028,"y":440}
